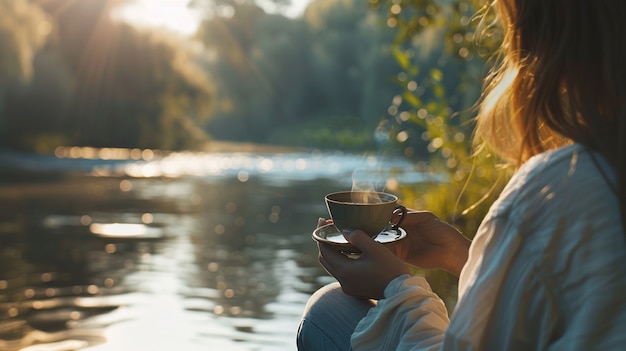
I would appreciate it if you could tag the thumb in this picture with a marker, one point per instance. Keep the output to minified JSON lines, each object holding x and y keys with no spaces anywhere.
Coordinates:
{"x":358,"y":239}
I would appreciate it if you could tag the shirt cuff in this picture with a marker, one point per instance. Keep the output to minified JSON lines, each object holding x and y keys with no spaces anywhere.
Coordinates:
{"x":394,"y":286}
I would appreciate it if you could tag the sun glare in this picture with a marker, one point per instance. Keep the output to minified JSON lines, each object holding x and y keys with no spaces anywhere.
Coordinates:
{"x":173,"y":15}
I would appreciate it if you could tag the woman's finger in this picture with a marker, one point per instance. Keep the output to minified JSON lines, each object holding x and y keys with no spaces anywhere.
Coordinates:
{"x":360,"y":240}
{"x":329,"y":257}
{"x":416,"y":217}
{"x":323,"y":221}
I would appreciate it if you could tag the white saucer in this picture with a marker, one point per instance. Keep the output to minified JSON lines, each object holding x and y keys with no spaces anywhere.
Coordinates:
{"x":330,"y":235}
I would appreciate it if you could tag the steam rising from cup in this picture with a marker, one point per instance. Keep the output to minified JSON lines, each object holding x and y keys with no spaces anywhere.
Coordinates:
{"x":363,"y":187}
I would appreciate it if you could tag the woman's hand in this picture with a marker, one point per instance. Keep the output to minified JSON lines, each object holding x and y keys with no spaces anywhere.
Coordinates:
{"x":432,"y":243}
{"x":368,"y":275}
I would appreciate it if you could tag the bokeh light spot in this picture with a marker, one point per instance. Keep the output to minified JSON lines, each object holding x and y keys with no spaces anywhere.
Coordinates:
{"x":92,"y":289}
{"x":126,"y":185}
{"x":85,"y":220}
{"x":147,"y":218}
{"x":220,"y":229}
{"x":213,"y":267}
{"x":243,"y":176}
{"x":109,"y":248}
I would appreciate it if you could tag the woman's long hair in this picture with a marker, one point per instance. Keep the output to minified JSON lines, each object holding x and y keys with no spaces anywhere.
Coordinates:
{"x":560,"y":77}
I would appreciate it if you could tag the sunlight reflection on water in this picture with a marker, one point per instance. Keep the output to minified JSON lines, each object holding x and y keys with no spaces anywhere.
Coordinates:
{"x":274,"y":166}
{"x":378,"y":170}
{"x":179,"y":251}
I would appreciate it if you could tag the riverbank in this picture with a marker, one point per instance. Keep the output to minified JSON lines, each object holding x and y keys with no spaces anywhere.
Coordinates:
{"x":227,"y":146}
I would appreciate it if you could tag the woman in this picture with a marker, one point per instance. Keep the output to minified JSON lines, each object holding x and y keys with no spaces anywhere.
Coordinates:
{"x":547,"y":267}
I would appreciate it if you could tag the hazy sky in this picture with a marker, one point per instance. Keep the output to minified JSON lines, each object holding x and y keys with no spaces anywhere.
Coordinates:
{"x":175,"y":15}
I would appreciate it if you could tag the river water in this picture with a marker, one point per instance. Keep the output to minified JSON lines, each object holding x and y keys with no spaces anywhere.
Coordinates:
{"x":115,"y":251}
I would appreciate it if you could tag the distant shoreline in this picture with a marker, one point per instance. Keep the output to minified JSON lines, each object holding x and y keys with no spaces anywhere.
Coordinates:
{"x":228,"y":146}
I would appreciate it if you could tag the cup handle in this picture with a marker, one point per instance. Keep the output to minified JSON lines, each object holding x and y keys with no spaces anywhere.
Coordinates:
{"x":402,"y":211}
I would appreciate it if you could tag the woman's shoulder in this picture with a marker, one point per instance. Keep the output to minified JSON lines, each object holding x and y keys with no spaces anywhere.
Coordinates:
{"x":570,"y":183}
{"x":569,"y":172}
{"x":569,"y":162}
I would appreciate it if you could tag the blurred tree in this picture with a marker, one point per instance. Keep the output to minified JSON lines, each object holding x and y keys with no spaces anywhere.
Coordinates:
{"x":283,"y":84}
{"x":279,"y":80}
{"x":23,"y":30}
{"x":243,"y":90}
{"x":106,"y":84}
{"x":227,"y":8}
{"x":350,"y":55}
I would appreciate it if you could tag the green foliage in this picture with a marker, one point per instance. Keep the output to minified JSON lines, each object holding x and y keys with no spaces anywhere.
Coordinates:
{"x":437,"y":100}
{"x":334,"y":132}
{"x":42,"y":143}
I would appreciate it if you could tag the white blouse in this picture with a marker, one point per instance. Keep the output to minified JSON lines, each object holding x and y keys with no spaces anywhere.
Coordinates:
{"x":546,"y":271}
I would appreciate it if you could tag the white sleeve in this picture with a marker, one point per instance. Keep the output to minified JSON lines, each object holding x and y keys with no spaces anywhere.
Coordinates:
{"x":546,"y":271}
{"x":410,"y":317}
